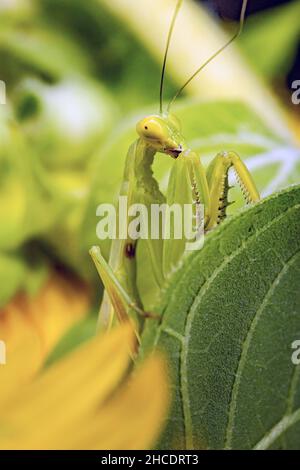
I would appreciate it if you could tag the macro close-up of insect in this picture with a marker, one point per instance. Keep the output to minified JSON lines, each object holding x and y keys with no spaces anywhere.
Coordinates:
{"x":189,"y":182}
{"x":149,"y":235}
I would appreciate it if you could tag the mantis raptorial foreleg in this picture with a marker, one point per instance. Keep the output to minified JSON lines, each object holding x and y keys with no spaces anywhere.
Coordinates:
{"x":187,"y":187}
{"x":117,"y":295}
{"x":190,"y":184}
{"x":217,"y":178}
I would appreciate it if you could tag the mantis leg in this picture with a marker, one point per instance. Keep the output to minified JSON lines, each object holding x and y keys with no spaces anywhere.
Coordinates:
{"x":121,"y":266}
{"x":217,"y":177}
{"x":187,"y":186}
{"x":119,"y":298}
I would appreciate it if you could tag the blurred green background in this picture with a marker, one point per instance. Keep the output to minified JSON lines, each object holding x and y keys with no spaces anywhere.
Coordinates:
{"x":79,"y":73}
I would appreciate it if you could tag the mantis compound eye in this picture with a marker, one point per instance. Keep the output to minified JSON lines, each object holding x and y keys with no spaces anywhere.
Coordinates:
{"x":151,"y":129}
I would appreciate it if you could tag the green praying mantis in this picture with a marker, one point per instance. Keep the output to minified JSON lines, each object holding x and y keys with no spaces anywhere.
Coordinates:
{"x":189,"y":183}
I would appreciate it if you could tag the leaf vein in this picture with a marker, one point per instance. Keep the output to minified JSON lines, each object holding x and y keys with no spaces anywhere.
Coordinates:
{"x":280,"y":428}
{"x":188,"y":423}
{"x":245,"y":349}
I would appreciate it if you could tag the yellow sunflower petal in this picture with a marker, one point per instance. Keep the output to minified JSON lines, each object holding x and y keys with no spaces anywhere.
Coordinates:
{"x":58,"y":305}
{"x":23,"y":362}
{"x":133,"y":419}
{"x":50,"y":408}
{"x":30,"y":327}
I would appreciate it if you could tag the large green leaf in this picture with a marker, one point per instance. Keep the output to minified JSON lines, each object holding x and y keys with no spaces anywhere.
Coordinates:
{"x":229,"y":319}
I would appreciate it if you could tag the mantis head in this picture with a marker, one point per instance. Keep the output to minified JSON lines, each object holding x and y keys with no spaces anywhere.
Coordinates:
{"x":162,"y":133}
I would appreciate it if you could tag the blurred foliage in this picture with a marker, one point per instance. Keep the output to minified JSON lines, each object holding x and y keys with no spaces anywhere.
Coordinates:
{"x":77,"y":80}
{"x":271,"y":39}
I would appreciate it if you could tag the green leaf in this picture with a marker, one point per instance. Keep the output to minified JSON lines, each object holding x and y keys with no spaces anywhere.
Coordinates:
{"x":229,"y":319}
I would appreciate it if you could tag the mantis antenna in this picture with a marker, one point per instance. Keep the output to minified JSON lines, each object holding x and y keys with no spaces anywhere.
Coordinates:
{"x":235,"y":36}
{"x":179,"y":3}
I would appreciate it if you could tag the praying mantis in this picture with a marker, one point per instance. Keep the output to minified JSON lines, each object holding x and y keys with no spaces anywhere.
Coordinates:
{"x":189,"y":183}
